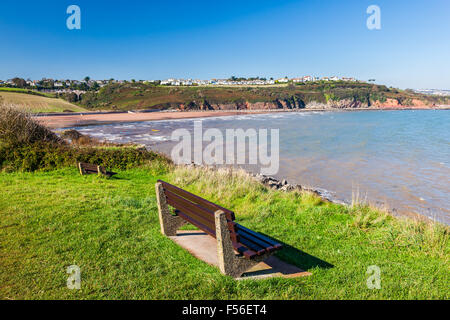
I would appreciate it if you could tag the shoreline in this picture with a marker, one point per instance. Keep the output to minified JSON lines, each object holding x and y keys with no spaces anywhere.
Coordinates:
{"x":279,"y":183}
{"x":283,"y":185}
{"x":59,"y":121}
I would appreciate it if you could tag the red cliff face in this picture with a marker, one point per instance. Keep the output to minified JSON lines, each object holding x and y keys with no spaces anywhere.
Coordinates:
{"x":291,"y":104}
{"x":395,"y":104}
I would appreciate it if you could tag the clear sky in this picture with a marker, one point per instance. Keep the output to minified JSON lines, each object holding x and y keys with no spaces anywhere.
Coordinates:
{"x":217,"y":39}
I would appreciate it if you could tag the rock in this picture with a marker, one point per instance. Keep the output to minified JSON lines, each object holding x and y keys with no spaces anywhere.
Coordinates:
{"x":287,"y":187}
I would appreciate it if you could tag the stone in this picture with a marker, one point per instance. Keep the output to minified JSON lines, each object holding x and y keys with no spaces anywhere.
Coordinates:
{"x":229,"y":263}
{"x":169,"y":223}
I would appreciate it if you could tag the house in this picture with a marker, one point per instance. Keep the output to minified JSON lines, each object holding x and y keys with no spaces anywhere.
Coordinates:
{"x":307,"y":78}
{"x":283,"y":80}
{"x":334,"y":78}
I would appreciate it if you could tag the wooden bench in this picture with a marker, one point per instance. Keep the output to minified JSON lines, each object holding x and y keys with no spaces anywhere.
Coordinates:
{"x":87,"y":168}
{"x":238,"y":248}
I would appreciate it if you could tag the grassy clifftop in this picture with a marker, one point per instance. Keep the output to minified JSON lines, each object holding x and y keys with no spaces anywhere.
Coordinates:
{"x":110,"y":229}
{"x":355,"y":94}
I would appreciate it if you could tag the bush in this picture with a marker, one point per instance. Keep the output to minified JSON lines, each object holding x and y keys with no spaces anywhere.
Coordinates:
{"x":26,"y":145}
{"x":48,"y":156}
{"x":18,"y":128}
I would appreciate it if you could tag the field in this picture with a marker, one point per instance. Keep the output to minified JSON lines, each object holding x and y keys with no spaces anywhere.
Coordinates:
{"x":37,"y":103}
{"x":110,"y":228}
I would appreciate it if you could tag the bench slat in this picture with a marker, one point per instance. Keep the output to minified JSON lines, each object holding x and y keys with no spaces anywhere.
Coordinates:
{"x":196,"y":199}
{"x":196,"y":223}
{"x":258,"y":235}
{"x":243,"y":250}
{"x":193,"y":215}
{"x":258,"y":249}
{"x":268,"y":247}
{"x":182,"y":204}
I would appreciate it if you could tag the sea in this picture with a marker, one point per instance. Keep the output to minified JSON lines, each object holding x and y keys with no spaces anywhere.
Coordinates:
{"x":396,"y":160}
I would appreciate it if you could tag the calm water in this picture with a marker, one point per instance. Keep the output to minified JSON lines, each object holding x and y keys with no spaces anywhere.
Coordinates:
{"x":397,"y":159}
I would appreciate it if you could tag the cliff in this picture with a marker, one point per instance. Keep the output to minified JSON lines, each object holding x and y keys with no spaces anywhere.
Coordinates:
{"x":341,"y":95}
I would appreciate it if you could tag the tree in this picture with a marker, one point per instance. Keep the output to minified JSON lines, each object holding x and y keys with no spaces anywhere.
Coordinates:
{"x":19,"y":82}
{"x":95,"y":86}
{"x":86,"y":79}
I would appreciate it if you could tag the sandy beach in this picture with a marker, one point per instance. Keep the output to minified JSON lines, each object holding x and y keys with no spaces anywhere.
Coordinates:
{"x":55,"y":121}
{"x":72,"y":120}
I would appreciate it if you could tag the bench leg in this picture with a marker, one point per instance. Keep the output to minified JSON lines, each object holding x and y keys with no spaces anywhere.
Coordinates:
{"x":229,"y":263}
{"x":81,"y":168}
{"x":169,"y":223}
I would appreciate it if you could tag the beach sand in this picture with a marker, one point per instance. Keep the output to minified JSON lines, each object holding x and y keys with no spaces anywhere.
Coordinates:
{"x":72,"y":120}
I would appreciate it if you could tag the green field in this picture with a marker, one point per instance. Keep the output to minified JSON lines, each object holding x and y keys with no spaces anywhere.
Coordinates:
{"x":37,"y":103}
{"x":110,"y":228}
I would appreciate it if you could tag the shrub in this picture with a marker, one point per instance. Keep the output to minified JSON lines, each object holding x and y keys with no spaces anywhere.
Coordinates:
{"x":18,"y":127}
{"x":26,"y":145}
{"x":49,"y":155}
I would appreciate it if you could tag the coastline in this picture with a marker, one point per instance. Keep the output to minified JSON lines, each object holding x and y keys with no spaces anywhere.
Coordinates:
{"x":58,"y":121}
{"x":279,"y":183}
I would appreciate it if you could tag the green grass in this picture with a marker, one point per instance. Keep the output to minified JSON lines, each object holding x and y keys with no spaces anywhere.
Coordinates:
{"x":110,"y":228}
{"x":27,"y":91}
{"x":37,"y":103}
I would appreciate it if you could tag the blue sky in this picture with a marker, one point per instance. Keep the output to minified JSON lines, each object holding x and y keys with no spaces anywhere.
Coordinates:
{"x":216,"y":39}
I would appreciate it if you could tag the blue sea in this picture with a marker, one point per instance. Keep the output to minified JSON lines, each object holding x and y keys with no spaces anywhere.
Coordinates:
{"x":399,"y":160}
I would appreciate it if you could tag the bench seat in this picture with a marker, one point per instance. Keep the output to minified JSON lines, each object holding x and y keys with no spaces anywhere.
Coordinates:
{"x":87,"y":168}
{"x":201,"y":213}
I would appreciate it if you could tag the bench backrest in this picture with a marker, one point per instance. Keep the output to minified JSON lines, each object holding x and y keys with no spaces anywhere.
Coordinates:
{"x":87,"y":168}
{"x":196,"y":210}
{"x":200,"y":213}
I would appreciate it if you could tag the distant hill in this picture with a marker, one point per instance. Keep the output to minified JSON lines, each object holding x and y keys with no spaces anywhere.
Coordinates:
{"x":322,"y":94}
{"x":37,"y":103}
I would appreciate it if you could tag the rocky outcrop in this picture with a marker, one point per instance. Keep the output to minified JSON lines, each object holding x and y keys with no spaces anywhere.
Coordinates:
{"x":283,"y":185}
